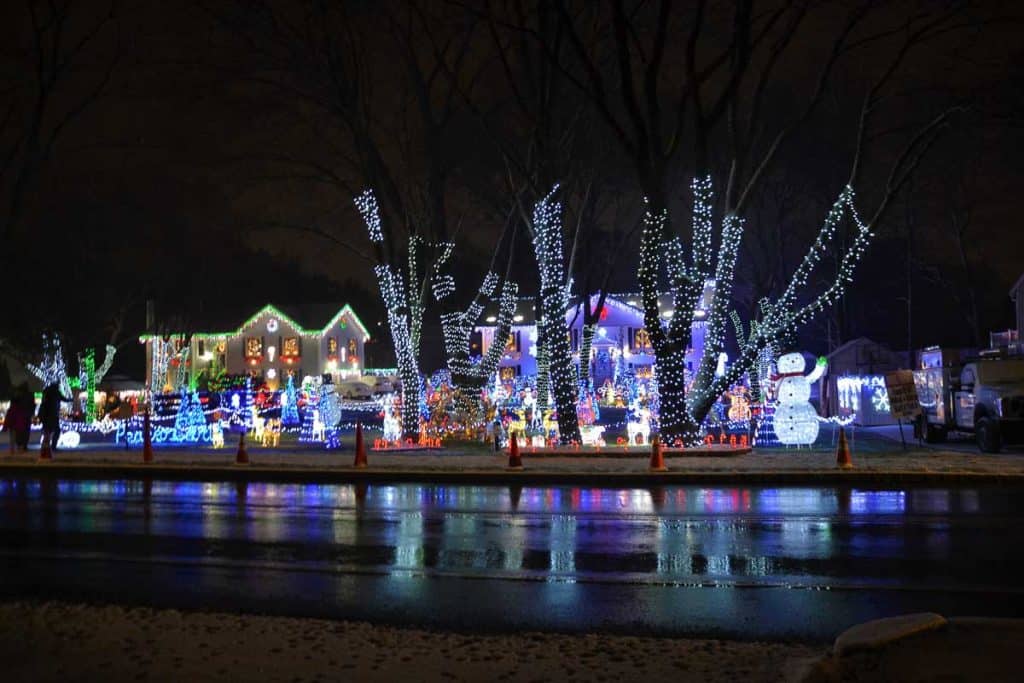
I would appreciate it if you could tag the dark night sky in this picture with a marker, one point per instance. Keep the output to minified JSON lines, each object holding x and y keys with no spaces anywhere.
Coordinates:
{"x":165,"y":187}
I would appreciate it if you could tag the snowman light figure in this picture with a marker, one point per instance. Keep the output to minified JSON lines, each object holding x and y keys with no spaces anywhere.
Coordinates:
{"x":796,"y":421}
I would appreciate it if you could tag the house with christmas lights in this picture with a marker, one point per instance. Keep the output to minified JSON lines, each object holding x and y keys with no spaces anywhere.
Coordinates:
{"x":275,"y":342}
{"x":620,"y":342}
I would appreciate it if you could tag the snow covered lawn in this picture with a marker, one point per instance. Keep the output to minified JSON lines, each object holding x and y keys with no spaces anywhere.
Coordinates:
{"x":60,"y":642}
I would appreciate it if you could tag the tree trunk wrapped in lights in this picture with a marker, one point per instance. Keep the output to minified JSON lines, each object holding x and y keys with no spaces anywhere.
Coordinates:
{"x":586,"y":344}
{"x":554,"y":299}
{"x":778,"y":317}
{"x":52,"y":369}
{"x":682,"y":411}
{"x":402,"y":298}
{"x":89,"y":376}
{"x":543,"y":376}
{"x":469,"y":377}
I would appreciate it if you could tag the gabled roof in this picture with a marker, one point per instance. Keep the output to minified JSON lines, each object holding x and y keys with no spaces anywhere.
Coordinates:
{"x":294,"y":315}
{"x":1015,"y":290}
{"x":526,"y":307}
{"x":853,"y":342}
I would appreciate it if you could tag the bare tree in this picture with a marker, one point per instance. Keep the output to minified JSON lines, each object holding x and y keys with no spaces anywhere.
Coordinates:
{"x":47,"y":85}
{"x":659,"y":96}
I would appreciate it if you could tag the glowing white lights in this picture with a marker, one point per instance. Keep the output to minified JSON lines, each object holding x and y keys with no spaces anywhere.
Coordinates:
{"x":554,"y":300}
{"x":796,"y":421}
{"x":405,"y":311}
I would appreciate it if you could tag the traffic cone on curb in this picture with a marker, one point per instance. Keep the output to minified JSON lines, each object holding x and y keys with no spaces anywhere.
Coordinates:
{"x":657,"y":456}
{"x":147,"y":440}
{"x":360,"y":460}
{"x":843,"y":460}
{"x":514,"y":461}
{"x":44,"y":449}
{"x":242,"y":457}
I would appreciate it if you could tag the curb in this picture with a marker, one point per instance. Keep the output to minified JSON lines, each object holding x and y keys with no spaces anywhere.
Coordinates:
{"x":255,"y":472}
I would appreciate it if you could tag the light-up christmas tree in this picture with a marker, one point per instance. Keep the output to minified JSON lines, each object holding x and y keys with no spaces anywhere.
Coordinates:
{"x":290,"y":405}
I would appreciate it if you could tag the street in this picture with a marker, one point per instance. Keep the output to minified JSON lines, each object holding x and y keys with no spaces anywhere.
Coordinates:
{"x":738,"y":562}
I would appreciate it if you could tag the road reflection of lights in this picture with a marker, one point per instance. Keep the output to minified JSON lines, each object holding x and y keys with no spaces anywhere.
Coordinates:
{"x":563,"y":544}
{"x":930,"y":501}
{"x":513,"y":558}
{"x":409,"y":543}
{"x":878,"y":502}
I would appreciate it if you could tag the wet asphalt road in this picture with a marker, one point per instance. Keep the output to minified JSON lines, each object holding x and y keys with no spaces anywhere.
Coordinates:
{"x":772,"y":563}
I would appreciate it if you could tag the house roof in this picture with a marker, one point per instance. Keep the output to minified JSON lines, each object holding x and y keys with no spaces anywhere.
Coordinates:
{"x":526,"y":307}
{"x":853,"y":342}
{"x":1015,"y":290}
{"x":311,"y":319}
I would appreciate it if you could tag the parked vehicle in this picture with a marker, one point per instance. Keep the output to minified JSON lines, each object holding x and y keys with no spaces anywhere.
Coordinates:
{"x":355,"y":389}
{"x":380,"y":384}
{"x":983,"y":396}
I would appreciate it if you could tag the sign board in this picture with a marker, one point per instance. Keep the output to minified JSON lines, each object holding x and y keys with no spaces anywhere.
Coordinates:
{"x":903,"y":403}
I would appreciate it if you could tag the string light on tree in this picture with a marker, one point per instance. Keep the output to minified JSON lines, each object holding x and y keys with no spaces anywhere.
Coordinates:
{"x":405,"y":313}
{"x":554,"y":299}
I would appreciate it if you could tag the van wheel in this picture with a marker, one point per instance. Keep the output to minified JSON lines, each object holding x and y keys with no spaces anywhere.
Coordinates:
{"x":934,"y":433}
{"x":986,"y":431}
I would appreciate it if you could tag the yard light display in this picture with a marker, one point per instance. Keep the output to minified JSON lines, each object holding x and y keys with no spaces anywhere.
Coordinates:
{"x":796,"y":421}
{"x":330,"y":413}
{"x":554,"y":299}
{"x":52,"y":369}
{"x":290,"y":405}
{"x":87,"y":380}
{"x":682,"y":409}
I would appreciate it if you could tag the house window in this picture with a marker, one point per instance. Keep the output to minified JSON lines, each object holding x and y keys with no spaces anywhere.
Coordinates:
{"x":513,"y":342}
{"x":332,"y":347}
{"x":641,"y":340}
{"x":254,"y":348}
{"x":291,"y":348}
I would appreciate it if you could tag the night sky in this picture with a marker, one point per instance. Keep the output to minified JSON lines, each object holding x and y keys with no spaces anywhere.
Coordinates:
{"x":205,"y":151}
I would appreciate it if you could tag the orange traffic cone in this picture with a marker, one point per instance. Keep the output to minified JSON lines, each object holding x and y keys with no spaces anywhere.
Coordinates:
{"x":242,"y":457}
{"x":514,"y":461}
{"x":360,"y":460}
{"x":44,"y":449}
{"x":657,"y":456}
{"x":843,"y":460}
{"x":147,"y":440}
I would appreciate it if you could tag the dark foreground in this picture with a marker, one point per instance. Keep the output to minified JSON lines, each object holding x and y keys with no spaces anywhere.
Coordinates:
{"x":748,"y":563}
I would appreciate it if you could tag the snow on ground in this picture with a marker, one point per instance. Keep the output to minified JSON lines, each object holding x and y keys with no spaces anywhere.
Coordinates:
{"x":872,"y":449}
{"x":59,"y":642}
{"x":759,"y":461}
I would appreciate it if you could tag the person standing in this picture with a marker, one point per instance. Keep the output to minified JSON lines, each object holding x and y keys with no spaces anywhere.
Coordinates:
{"x":18,"y":420}
{"x":49,"y":413}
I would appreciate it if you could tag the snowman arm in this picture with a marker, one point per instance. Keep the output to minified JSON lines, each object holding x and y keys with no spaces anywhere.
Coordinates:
{"x":818,"y":371}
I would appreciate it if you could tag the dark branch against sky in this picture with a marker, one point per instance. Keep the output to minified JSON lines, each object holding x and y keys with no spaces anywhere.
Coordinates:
{"x":207,"y":152}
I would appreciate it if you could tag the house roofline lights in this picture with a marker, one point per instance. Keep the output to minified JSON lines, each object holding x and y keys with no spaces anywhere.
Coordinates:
{"x":271,"y":308}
